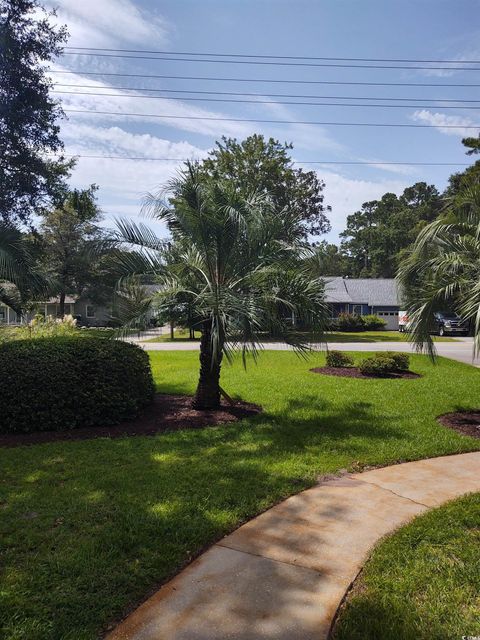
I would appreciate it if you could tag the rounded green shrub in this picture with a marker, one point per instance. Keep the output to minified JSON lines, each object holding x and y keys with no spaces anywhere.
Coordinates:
{"x":66,"y":382}
{"x":385,"y":363}
{"x":402,"y":360}
{"x":373,"y":323}
{"x":349,"y":322}
{"x":338,"y":359}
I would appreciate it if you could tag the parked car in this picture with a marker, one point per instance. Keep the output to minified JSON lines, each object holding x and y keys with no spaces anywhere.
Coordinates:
{"x":446,"y":322}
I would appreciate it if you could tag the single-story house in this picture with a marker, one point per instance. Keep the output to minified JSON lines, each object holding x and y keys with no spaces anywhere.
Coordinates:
{"x":87,"y":313}
{"x":361,"y":296}
{"x":364,"y":296}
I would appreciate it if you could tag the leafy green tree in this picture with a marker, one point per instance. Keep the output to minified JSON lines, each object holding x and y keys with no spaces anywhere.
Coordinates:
{"x":229,"y":262}
{"x":377,"y":235}
{"x":265,"y":166}
{"x":327,"y":260}
{"x":472,"y":144}
{"x":19,"y":279}
{"x":443,"y":268}
{"x":29,"y":129}
{"x":74,"y":246}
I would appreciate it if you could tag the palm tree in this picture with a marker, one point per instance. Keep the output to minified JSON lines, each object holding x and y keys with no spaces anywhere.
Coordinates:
{"x":18,"y":279}
{"x":228,"y":264}
{"x":442,"y":270}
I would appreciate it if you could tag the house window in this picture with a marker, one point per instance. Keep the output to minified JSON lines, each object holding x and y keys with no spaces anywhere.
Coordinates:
{"x":357,"y":309}
{"x":3,"y":315}
{"x":90,"y":311}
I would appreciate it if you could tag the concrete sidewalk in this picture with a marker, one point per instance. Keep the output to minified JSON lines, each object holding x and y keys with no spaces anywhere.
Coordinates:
{"x":461,"y":349}
{"x":283,"y":575}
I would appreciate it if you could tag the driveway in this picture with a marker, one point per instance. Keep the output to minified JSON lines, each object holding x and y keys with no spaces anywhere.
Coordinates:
{"x":461,"y":349}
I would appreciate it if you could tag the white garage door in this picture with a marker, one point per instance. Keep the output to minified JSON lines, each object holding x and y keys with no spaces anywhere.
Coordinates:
{"x":390,"y":317}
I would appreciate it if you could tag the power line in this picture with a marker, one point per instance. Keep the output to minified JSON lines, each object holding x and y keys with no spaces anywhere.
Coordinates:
{"x":266,"y":80}
{"x":276,"y":57}
{"x":237,"y":101}
{"x":275,"y":64}
{"x":306,"y":122}
{"x":333,"y":162}
{"x":269,"y":95}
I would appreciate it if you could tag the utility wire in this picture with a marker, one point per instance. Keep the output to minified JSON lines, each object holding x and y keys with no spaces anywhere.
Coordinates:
{"x":267,"y":80}
{"x":333,"y":124}
{"x":248,"y":55}
{"x":333,"y":162}
{"x":268,"y":95}
{"x":275,"y":64}
{"x":237,"y":100}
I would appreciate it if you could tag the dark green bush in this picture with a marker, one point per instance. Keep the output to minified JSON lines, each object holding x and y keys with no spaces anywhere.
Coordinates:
{"x":373,"y":323}
{"x":385,"y":363}
{"x":380,"y":365}
{"x":401,"y":360}
{"x":65,"y":382}
{"x":339,"y":359}
{"x":349,"y":322}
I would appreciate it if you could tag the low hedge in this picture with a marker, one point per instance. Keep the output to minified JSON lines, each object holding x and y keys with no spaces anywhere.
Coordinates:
{"x":373,"y":323}
{"x":353,"y":322}
{"x":66,"y":382}
{"x":349,"y":322}
{"x":339,"y":359}
{"x":385,"y":363}
{"x":401,"y":360}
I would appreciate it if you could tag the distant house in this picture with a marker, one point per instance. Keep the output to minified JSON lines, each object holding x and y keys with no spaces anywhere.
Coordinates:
{"x":83,"y":309}
{"x":363,"y":296}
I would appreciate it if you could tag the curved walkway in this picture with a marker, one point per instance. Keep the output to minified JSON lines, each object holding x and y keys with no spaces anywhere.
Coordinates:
{"x":282,"y":575}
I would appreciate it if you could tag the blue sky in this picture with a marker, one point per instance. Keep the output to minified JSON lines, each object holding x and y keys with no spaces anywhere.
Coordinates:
{"x":407,"y":29}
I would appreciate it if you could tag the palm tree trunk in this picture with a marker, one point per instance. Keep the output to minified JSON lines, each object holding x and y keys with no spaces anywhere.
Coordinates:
{"x":207,"y":395}
{"x":172,"y":330}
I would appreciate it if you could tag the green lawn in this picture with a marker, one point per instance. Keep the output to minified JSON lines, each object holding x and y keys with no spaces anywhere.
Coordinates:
{"x":422,"y":583}
{"x":88,"y":529}
{"x":332,"y":336}
{"x":179,"y":334}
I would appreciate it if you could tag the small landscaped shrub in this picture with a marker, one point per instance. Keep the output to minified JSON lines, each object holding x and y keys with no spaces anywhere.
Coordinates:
{"x":66,"y":382}
{"x":350,"y":322}
{"x":338,"y":359}
{"x":373,"y":323}
{"x":402,"y":360}
{"x":380,"y":365}
{"x":385,"y":363}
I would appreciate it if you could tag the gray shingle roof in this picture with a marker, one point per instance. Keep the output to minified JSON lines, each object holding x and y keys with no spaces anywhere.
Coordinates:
{"x":376,"y":292}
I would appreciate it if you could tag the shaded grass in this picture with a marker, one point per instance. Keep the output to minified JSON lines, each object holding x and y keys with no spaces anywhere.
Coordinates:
{"x":88,"y":528}
{"x":421,"y":583}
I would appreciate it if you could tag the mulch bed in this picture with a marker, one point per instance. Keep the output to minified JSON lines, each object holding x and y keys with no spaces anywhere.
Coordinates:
{"x":354,"y":372}
{"x":167,"y":413}
{"x":465,"y":422}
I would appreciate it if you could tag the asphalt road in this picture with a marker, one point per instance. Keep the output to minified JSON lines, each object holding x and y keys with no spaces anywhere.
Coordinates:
{"x":461,"y":349}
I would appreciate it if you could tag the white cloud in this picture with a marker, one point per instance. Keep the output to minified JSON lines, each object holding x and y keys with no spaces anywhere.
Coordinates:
{"x":85,"y":138}
{"x":439,"y":120}
{"x":123,"y":180}
{"x":306,"y":136}
{"x":457,"y":66}
{"x":104,"y":23}
{"x":128,"y":104}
